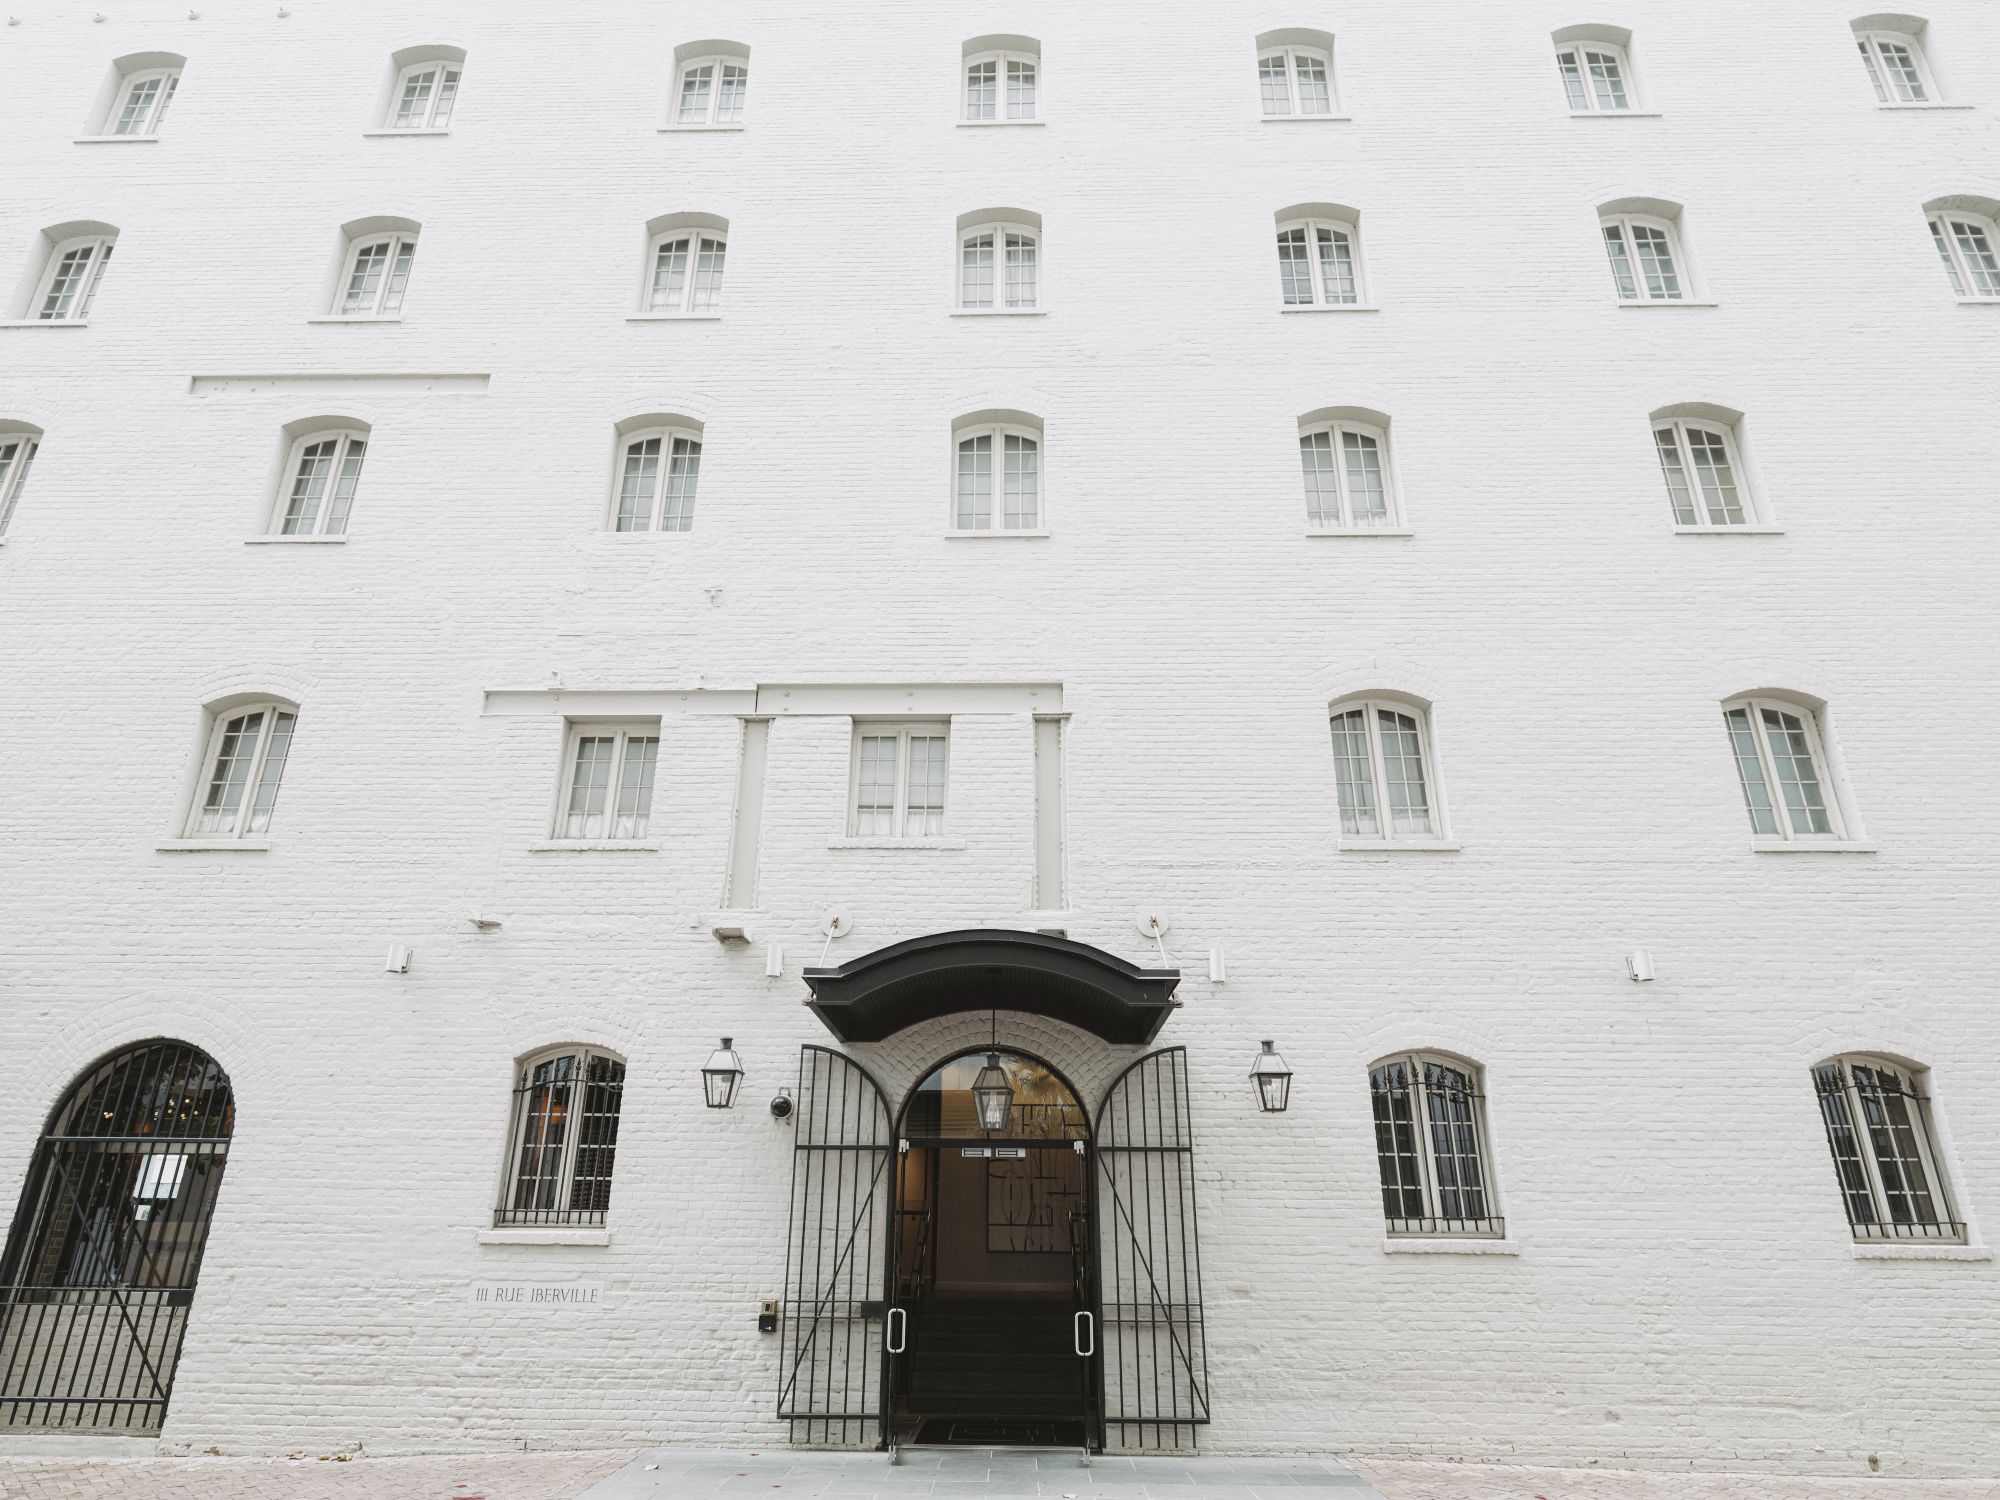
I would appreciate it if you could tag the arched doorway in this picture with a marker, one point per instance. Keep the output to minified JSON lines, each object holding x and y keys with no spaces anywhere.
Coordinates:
{"x":106,"y":1245}
{"x":992,"y":1288}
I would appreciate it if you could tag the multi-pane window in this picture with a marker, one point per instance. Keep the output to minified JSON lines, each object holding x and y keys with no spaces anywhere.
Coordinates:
{"x":424,"y":96}
{"x":563,"y":1139}
{"x":608,"y":781}
{"x":1295,"y":81}
{"x":1896,"y":67}
{"x":1645,"y":260}
{"x":69,"y":284}
{"x":245,"y":762}
{"x":712,"y":91}
{"x":1002,"y":87}
{"x":376,"y":275}
{"x":1703,"y":474}
{"x":1345,"y":465}
{"x":1595,"y":76}
{"x":321,"y":478}
{"x":1317,"y":264}
{"x":1430,"y":1147}
{"x":1379,"y":766}
{"x":17,"y":456}
{"x":1781,"y":767}
{"x":684,"y":273}
{"x":142,"y":101}
{"x":1969,"y":246}
{"x":1885,"y":1156}
{"x":999,"y":268}
{"x":997,"y":485}
{"x":897,"y":784}
{"x":658,"y":471}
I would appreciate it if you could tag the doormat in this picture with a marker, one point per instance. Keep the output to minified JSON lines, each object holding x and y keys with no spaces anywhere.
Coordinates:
{"x":1000,"y":1434}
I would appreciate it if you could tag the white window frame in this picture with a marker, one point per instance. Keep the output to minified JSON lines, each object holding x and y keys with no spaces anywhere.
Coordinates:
{"x":385,"y":303}
{"x":146,"y":126}
{"x":248,"y":819}
{"x":711,"y":114}
{"x":902,"y":733}
{"x":438,"y":106}
{"x":18,"y":448}
{"x":1004,"y":103}
{"x":1700,"y":515}
{"x":560,"y":1212}
{"x":1432,"y":1222}
{"x":1343,"y":518}
{"x":1971,"y":281}
{"x":333,"y":504}
{"x":80,"y":294}
{"x":1642,"y":285}
{"x":1312,"y":227}
{"x":625,"y":813}
{"x":1371,"y":708}
{"x":997,"y":524}
{"x":1887,"y":83}
{"x":1293,"y":110}
{"x":1001,"y":287}
{"x":700,"y":240}
{"x":1827,"y":782}
{"x":667,"y":434}
{"x":1867,"y":1126}
{"x":1573,"y":53}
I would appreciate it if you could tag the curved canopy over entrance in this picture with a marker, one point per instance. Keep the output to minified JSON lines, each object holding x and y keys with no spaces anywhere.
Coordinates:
{"x":880,"y":993}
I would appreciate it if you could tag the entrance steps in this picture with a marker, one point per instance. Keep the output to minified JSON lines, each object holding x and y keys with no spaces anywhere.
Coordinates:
{"x":998,"y":1357}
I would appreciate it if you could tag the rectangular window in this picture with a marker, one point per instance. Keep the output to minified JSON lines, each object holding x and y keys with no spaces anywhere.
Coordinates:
{"x":324,"y":479}
{"x":1379,"y":773}
{"x":246,"y":763}
{"x":897,"y":784}
{"x":1020,"y":270}
{"x":72,"y":281}
{"x":608,"y":791}
{"x":1020,"y":90}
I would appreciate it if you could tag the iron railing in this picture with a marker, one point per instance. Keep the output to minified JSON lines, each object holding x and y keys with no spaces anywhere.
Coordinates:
{"x":564,"y":1139}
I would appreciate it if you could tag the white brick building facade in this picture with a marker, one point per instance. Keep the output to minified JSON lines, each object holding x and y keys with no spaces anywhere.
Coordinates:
{"x":1678,"y":1283}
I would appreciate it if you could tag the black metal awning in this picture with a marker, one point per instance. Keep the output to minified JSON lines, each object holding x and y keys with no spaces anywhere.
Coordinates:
{"x":880,"y":993}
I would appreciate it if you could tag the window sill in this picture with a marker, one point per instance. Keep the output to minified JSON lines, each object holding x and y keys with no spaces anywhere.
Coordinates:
{"x":584,"y":846}
{"x":1307,"y":119}
{"x":115,"y":140}
{"x":999,"y":312}
{"x":1872,"y":1251}
{"x":277,"y":540}
{"x":544,"y":1236}
{"x":1399,"y":846}
{"x":44,"y":323}
{"x":1615,"y":114}
{"x":1810,"y":846}
{"x":699,"y":129}
{"x":844,"y":842}
{"x":372,"y":133}
{"x":1638,"y":302}
{"x":1979,"y":301}
{"x":212,"y":846}
{"x":1359,"y":531}
{"x":1393,"y":1244}
{"x":992,"y":124}
{"x":1729,"y":531}
{"x":1926,"y":104}
{"x":671,"y":317}
{"x":993,"y":536}
{"x":1330,"y":307}
{"x":355,"y":318}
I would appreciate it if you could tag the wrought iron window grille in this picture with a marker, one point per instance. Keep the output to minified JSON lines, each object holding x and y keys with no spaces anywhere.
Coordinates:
{"x":1430,"y":1147}
{"x":562,"y":1141}
{"x":1885,"y":1158}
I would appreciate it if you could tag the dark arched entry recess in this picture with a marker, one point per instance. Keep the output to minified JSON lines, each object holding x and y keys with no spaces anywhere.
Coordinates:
{"x":107,"y":1242}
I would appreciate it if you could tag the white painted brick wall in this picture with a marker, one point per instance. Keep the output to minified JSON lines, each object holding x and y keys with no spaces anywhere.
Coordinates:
{"x":1685,"y":1293}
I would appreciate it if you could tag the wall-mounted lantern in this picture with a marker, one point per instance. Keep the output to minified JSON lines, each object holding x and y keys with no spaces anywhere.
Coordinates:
{"x":720,"y":1076}
{"x":1273,"y":1080}
{"x":992,"y":1094}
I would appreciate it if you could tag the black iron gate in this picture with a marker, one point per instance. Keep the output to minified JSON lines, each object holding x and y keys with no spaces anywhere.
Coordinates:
{"x":1152,"y":1344}
{"x":830,"y":1350}
{"x":100,"y":1267}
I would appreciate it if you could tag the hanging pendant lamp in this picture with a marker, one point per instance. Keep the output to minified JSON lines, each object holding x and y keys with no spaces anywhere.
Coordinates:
{"x":992,"y":1094}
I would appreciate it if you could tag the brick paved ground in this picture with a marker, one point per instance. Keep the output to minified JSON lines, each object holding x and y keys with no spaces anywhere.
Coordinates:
{"x":1416,"y":1481}
{"x":491,"y":1476}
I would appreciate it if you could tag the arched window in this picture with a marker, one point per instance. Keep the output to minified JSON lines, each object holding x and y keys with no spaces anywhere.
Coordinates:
{"x":1002,"y":80}
{"x":1381,"y":761}
{"x":1892,"y":52}
{"x":684,"y":262}
{"x":140,"y":93}
{"x":322,"y":471}
{"x":74,"y":258}
{"x":423,"y":88}
{"x":244,"y":762}
{"x":1642,"y":238}
{"x":1430,"y":1146}
{"x":659,"y":468}
{"x":1885,"y":1155}
{"x":19,"y":442}
{"x":1295,"y":74}
{"x":1344,"y":457}
{"x":1319,"y":257}
{"x":1781,"y":765}
{"x":99,"y":1275}
{"x":562,"y":1139}
{"x":711,"y":85}
{"x":1968,"y":242}
{"x":1596,"y":69}
{"x":997,"y":473}
{"x":375,"y":268}
{"x":999,"y":261}
{"x":1700,"y":458}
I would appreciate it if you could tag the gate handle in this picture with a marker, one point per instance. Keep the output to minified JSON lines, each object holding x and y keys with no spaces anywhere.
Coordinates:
{"x":898,"y":1332}
{"x":1085,"y":1324}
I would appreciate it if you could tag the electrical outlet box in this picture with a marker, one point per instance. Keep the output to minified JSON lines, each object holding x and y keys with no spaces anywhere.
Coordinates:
{"x":767,"y":1315}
